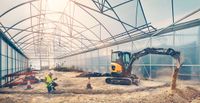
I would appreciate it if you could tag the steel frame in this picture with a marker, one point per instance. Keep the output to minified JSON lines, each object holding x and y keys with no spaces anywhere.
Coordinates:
{"x":9,"y":60}
{"x":176,"y":27}
{"x":103,"y":6}
{"x":54,"y":21}
{"x":43,"y":14}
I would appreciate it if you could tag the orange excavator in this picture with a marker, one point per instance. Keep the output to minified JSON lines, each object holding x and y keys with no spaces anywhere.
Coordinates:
{"x":121,"y":64}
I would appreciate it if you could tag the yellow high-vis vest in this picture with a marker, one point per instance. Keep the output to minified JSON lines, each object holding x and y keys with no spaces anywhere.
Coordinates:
{"x":48,"y":79}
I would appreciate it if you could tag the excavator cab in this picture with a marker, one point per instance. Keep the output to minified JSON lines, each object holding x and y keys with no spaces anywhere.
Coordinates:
{"x":119,"y":63}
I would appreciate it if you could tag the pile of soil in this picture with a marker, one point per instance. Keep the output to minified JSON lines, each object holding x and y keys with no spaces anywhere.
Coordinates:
{"x":93,"y":74}
{"x":188,"y":93}
{"x":184,"y":95}
{"x":67,"y":69}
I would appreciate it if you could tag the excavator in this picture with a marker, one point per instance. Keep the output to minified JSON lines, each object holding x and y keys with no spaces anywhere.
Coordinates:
{"x":121,"y":64}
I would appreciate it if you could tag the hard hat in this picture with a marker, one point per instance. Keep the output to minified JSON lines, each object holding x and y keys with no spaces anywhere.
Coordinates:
{"x":51,"y":72}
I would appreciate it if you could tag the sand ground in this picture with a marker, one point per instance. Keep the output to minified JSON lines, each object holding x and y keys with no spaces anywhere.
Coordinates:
{"x":72,"y":89}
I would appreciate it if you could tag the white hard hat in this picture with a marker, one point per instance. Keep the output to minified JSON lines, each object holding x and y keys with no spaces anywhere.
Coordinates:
{"x":51,"y":72}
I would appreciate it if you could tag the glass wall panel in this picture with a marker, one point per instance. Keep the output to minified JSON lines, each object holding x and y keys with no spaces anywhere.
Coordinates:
{"x":11,"y":59}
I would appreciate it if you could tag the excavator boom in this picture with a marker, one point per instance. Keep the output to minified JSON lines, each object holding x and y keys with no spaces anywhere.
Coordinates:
{"x":159,"y":51}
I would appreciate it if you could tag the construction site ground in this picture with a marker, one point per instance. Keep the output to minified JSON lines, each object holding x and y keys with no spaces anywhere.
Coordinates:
{"x":72,"y":89}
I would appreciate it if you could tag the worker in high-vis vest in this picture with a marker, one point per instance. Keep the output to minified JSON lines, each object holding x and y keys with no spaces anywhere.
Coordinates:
{"x":50,"y":84}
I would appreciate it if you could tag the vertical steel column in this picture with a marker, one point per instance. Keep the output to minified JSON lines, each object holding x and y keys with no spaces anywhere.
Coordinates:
{"x":79,"y":61}
{"x":198,"y":43}
{"x":19,"y":61}
{"x":82,"y":61}
{"x":99,"y":62}
{"x":91,"y":63}
{"x":40,"y":36}
{"x":27,"y":63}
{"x":11,"y":63}
{"x":49,"y":57}
{"x":172,"y":4}
{"x":86,"y":61}
{"x":150,"y":69}
{"x":40,"y":60}
{"x":143,"y":13}
{"x":108,"y":65}
{"x":132,"y":44}
{"x":22,"y":61}
{"x":7,"y":62}
{"x":198,"y":54}
{"x":0,"y":63}
{"x":136,"y":10}
{"x":118,"y":47}
{"x":16,"y":62}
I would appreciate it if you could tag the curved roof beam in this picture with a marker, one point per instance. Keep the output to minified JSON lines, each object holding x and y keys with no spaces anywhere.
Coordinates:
{"x":50,"y":21}
{"x":31,"y":38}
{"x":63,"y":13}
{"x":66,"y":38}
{"x":78,"y":32}
{"x":45,"y":34}
{"x":17,"y":7}
{"x":49,"y":33}
{"x":45,"y":14}
{"x":39,"y":41}
{"x":27,"y":48}
{"x":38,"y":30}
{"x":26,"y":29}
{"x":21,"y":21}
{"x":59,"y":22}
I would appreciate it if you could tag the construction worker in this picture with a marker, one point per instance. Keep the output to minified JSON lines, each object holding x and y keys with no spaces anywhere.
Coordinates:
{"x":50,"y":84}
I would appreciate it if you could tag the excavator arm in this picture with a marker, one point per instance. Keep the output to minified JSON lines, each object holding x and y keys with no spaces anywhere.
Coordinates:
{"x":160,"y":51}
{"x":126,"y":78}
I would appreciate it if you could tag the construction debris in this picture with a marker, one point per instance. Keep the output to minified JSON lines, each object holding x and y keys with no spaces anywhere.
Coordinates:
{"x":22,"y":78}
{"x":93,"y":74}
{"x":67,"y":69}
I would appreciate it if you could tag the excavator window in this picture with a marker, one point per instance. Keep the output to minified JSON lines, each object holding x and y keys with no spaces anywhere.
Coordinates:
{"x":115,"y":56}
{"x":126,"y":58}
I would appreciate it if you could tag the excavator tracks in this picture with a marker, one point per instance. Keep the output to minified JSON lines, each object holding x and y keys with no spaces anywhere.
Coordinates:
{"x":119,"y":81}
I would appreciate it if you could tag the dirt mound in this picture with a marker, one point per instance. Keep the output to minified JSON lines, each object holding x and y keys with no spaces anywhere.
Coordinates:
{"x":67,"y":69}
{"x":93,"y":74}
{"x":188,"y":93}
{"x":183,"y":95}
